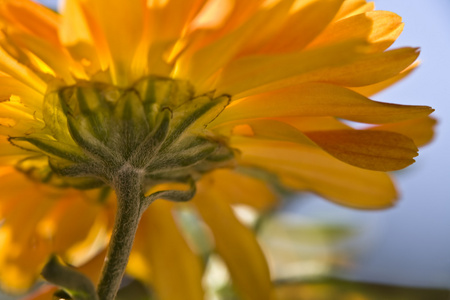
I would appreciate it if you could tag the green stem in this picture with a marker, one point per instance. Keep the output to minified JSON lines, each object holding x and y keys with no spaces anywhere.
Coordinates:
{"x":127,"y":184}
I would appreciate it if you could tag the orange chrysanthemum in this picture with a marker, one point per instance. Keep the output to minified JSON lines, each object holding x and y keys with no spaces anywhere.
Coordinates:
{"x":224,"y":95}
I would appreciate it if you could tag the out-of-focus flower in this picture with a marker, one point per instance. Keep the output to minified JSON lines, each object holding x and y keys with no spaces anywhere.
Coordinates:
{"x":226,"y":94}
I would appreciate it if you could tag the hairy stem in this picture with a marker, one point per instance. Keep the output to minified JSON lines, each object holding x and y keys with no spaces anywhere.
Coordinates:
{"x":127,"y":185}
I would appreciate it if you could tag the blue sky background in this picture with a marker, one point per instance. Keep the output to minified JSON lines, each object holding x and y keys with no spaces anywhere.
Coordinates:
{"x":411,"y":243}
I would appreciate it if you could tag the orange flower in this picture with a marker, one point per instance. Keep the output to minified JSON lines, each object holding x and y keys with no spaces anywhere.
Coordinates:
{"x":227,"y":94}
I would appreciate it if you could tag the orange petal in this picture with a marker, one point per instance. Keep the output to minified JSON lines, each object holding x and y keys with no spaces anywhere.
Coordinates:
{"x":32,"y":17}
{"x":307,"y":168}
{"x":302,"y":26}
{"x":202,"y":64}
{"x":371,"y":69}
{"x":380,"y":28}
{"x":234,"y":242}
{"x":372,"y":89}
{"x":318,"y":100}
{"x":122,"y":41}
{"x":236,"y":188}
{"x":161,"y":257}
{"x":373,"y":150}
{"x":251,"y":72}
{"x":419,"y":130}
{"x":354,"y":7}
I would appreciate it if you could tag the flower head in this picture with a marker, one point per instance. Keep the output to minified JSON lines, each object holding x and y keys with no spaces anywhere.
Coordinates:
{"x":207,"y":94}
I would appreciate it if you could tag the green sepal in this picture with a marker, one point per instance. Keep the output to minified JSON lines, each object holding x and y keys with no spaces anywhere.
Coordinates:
{"x":173,"y":195}
{"x":199,"y":111}
{"x":76,"y":284}
{"x":91,"y":102}
{"x":89,"y":143}
{"x":147,"y":150}
{"x":55,"y":117}
{"x":40,"y":168}
{"x":186,"y":156}
{"x":165,"y":92}
{"x":51,"y":147}
{"x":130,"y":126}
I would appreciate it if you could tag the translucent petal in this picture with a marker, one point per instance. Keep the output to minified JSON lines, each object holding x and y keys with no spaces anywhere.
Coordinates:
{"x":235,"y":243}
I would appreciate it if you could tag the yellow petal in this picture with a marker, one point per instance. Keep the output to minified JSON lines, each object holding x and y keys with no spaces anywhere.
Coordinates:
{"x":354,"y":7}
{"x":26,"y":95}
{"x":266,"y":129}
{"x":261,"y":38}
{"x":380,"y":28}
{"x":160,"y":250}
{"x":82,"y":37}
{"x":362,"y":70}
{"x":314,"y":123}
{"x":235,"y":243}
{"x":251,"y":72}
{"x":122,"y":40}
{"x":318,"y":100}
{"x":22,"y":252}
{"x":32,"y":17}
{"x":53,"y":56}
{"x":201,"y":65}
{"x":372,"y":89}
{"x":302,"y":26}
{"x":32,"y":229}
{"x":371,"y":69}
{"x":374,"y":150}
{"x":180,"y":12}
{"x":419,"y":130}
{"x":236,"y":188}
{"x":13,"y":68}
{"x":302,"y":167}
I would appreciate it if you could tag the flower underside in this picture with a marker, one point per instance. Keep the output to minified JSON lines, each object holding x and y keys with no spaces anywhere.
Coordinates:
{"x":145,"y":109}
{"x":157,"y":127}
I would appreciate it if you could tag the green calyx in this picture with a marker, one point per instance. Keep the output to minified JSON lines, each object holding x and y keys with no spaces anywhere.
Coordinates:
{"x":156,"y":127}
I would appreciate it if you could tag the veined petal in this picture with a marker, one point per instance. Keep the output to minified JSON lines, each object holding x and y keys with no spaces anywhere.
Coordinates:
{"x":419,"y":130}
{"x":235,"y":243}
{"x":13,"y":68}
{"x":251,"y":72}
{"x":160,"y":250}
{"x":32,"y":17}
{"x":369,"y":90}
{"x":122,"y":40}
{"x":308,"y":168}
{"x":266,"y":129}
{"x":373,"y":150}
{"x":202,"y":64}
{"x":314,"y":123}
{"x":180,"y":12}
{"x":26,"y":95}
{"x":379,"y":28}
{"x":359,"y":71}
{"x":354,"y":7}
{"x":52,"y":55}
{"x":279,"y":13}
{"x":369,"y":69}
{"x":318,"y":99}
{"x":82,"y":37}
{"x":302,"y":26}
